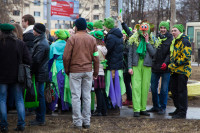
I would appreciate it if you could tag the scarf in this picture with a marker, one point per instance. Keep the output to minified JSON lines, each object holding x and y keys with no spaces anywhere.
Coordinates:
{"x":173,"y":42}
{"x":141,"y":50}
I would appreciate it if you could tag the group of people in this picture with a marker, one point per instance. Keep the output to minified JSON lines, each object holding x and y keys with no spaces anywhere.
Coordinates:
{"x":99,"y":55}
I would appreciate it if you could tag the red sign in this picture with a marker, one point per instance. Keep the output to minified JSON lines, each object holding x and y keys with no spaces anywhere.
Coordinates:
{"x":62,"y":8}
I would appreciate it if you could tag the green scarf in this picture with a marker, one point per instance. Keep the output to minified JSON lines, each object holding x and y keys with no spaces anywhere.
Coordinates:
{"x":173,"y":42}
{"x":141,"y":50}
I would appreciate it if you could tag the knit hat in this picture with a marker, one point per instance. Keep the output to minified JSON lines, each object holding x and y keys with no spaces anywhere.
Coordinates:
{"x":165,"y":24}
{"x":81,"y":24}
{"x":6,"y":27}
{"x":60,"y":34}
{"x":109,"y":23}
{"x":98,"y":24}
{"x":90,"y":25}
{"x":39,"y":28}
{"x":180,"y":27}
{"x":67,"y":33}
{"x":123,"y":31}
{"x":98,"y":34}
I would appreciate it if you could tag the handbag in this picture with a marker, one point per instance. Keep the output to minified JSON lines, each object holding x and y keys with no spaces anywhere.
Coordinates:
{"x":24,"y":73}
{"x":49,"y":92}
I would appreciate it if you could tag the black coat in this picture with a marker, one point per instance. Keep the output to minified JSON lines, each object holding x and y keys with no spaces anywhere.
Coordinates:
{"x":28,"y":39}
{"x":163,"y":54}
{"x":114,"y":45}
{"x":40,"y":58}
{"x":9,"y":57}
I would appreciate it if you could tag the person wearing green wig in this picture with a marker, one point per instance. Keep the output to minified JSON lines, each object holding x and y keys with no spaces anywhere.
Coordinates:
{"x":180,"y":68}
{"x":115,"y":86}
{"x":60,"y":79}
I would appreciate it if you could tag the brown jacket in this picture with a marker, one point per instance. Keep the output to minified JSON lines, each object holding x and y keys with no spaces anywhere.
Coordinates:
{"x":78,"y":54}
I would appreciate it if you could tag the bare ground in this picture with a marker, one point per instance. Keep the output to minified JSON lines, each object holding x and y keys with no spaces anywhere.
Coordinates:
{"x":108,"y":124}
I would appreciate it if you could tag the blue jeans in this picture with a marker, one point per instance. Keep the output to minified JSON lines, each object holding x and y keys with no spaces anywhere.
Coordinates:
{"x":41,"y":110}
{"x":19,"y":102}
{"x":160,"y":101}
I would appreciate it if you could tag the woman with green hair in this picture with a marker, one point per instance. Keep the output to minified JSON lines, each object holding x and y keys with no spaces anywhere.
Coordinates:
{"x":57,"y":74}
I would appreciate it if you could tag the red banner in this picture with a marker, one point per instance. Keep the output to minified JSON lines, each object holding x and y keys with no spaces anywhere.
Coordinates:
{"x":62,"y":8}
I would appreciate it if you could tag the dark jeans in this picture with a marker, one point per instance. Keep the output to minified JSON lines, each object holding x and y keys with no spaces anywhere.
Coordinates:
{"x":178,"y":86}
{"x":101,"y":101}
{"x":41,"y":110}
{"x":159,"y":101}
{"x":127,"y":81}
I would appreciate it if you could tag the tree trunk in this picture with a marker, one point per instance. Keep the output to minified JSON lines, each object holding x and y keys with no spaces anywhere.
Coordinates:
{"x":158,"y":17}
{"x":173,"y":12}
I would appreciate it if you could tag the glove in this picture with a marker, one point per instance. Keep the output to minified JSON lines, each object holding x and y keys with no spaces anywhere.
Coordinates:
{"x":163,"y":67}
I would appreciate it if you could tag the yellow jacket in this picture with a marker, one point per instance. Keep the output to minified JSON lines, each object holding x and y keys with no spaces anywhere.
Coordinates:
{"x":180,"y":61}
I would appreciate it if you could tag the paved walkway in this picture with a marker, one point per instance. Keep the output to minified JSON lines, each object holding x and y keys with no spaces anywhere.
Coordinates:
{"x":192,"y":113}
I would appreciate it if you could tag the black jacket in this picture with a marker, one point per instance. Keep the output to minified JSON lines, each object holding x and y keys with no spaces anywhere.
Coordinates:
{"x":114,"y":45}
{"x":9,"y":57}
{"x":40,"y":58}
{"x":28,"y":39}
{"x":163,"y":54}
{"x":126,"y":29}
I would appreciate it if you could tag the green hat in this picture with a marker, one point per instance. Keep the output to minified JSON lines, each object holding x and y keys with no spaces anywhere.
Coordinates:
{"x":98,"y":24}
{"x":180,"y":27}
{"x":90,"y":25}
{"x":165,"y":24}
{"x":123,"y":31}
{"x":6,"y":27}
{"x":109,"y":23}
{"x":67,"y":33}
{"x":60,"y":34}
{"x":98,"y":34}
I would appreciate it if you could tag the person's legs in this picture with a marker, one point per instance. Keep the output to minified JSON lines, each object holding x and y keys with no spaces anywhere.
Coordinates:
{"x":104,"y":107}
{"x":86,"y":97}
{"x":182,"y":96}
{"x":164,"y":90}
{"x":3,"y":108}
{"x":154,"y":90}
{"x":41,"y":110}
{"x":127,"y":81}
{"x":146,"y":79}
{"x":19,"y":102}
{"x":136,"y":87}
{"x":75,"y":80}
{"x":174,"y":89}
{"x":99,"y":102}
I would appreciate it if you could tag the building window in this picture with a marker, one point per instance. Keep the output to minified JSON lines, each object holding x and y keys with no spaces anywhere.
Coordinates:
{"x":37,"y":2}
{"x":80,"y":6}
{"x":16,"y":1}
{"x":16,"y":13}
{"x":114,"y":8}
{"x":36,"y":14}
{"x":57,"y":26}
{"x":87,"y":8}
{"x":26,"y":4}
{"x":96,"y":17}
{"x":190,"y":32}
{"x":96,"y":6}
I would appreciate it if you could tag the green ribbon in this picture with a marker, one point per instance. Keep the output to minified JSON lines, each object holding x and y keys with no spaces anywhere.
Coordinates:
{"x":96,"y":53}
{"x":173,"y":42}
{"x":67,"y":91}
{"x":141,"y":50}
{"x":54,"y":76}
{"x":104,"y":63}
